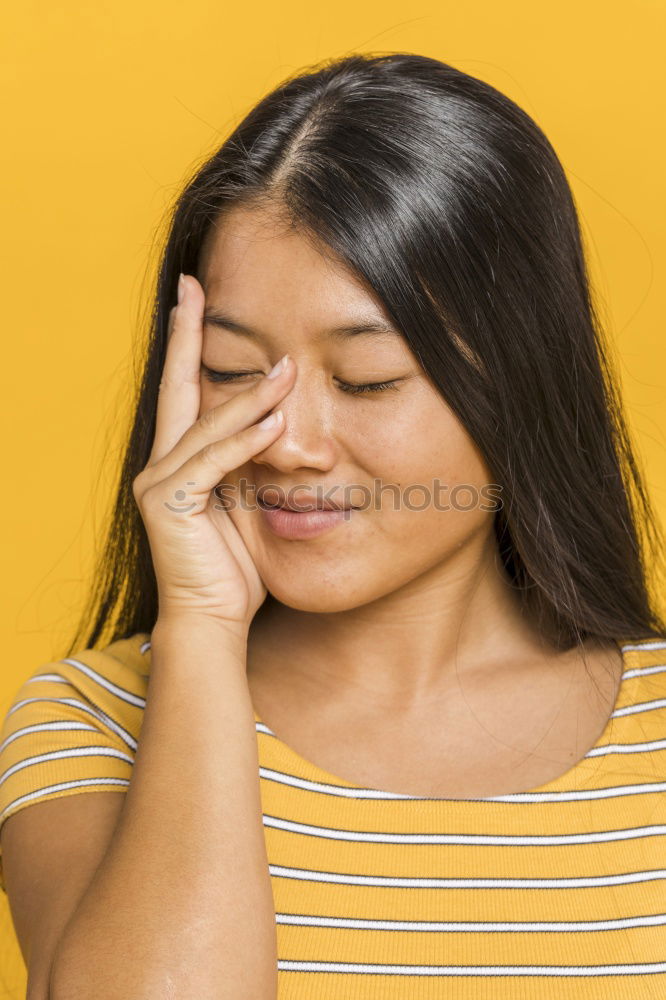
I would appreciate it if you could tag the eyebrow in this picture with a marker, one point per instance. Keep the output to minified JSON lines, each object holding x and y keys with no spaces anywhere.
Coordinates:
{"x":213,"y":317}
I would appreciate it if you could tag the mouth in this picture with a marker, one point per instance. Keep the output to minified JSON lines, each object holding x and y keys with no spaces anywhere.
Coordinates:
{"x":304,"y":518}
{"x":306,"y":507}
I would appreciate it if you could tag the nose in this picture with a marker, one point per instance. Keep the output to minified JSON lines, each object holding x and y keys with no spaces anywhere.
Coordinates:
{"x":307,"y":440}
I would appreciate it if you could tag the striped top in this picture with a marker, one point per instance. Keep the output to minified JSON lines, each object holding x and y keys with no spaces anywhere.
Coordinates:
{"x":559,"y":892}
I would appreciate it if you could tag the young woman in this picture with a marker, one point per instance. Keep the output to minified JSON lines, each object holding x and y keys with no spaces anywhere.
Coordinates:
{"x":404,"y":735}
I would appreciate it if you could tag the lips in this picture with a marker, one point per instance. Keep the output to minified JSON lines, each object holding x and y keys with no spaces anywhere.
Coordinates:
{"x":305,"y":504}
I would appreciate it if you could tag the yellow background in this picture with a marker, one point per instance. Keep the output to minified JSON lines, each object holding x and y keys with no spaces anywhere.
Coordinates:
{"x":107,"y":106}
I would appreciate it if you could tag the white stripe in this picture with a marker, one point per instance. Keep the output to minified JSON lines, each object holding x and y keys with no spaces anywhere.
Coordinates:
{"x":119,"y":692}
{"x":627,"y":748}
{"x":640,"y":969}
{"x":473,"y":927}
{"x":317,"y":786}
{"x":51,"y":678}
{"x":62,"y":786}
{"x":657,"y":668}
{"x":587,"y":795}
{"x":47,"y":727}
{"x":474,"y":839}
{"x":96,"y":713}
{"x":63,"y":755}
{"x":640,"y":706}
{"x":648,"y":644}
{"x":399,"y":882}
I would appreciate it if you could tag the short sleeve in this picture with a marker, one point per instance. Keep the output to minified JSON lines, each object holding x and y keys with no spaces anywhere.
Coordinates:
{"x":73,"y":726}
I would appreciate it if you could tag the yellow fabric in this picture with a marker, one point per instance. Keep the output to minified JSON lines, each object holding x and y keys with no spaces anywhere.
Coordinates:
{"x":555,"y":893}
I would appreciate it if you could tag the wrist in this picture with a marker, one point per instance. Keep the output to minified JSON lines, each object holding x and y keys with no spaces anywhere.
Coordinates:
{"x":192,"y":628}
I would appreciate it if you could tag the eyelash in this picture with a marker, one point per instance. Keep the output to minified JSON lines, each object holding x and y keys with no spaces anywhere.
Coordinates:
{"x":353,"y":389}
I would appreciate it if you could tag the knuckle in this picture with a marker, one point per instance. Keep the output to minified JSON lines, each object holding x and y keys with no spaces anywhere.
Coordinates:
{"x":208,"y":420}
{"x":138,"y":486}
{"x":179,"y":373}
{"x":150,"y":501}
{"x":209,"y":453}
{"x":144,"y":489}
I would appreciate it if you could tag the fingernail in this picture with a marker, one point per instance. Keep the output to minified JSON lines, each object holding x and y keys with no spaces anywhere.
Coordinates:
{"x":278,"y":368}
{"x":271,"y":420}
{"x":181,"y":288}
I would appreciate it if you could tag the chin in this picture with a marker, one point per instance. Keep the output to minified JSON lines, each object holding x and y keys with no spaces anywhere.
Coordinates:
{"x":317,"y":596}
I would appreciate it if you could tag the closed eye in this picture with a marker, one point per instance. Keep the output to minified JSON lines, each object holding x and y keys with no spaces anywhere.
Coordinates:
{"x":353,"y":388}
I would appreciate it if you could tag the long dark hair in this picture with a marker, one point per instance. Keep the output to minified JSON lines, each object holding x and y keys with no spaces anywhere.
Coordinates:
{"x":450,"y":202}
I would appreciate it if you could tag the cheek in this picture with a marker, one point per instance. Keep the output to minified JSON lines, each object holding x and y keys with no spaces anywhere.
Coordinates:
{"x":440,"y":474}
{"x":456,"y":457}
{"x":417,"y":445}
{"x":451,"y":449}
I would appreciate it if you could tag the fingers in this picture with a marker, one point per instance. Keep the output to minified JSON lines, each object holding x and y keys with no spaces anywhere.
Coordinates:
{"x":236,"y":414}
{"x":179,"y":395}
{"x":192,"y":482}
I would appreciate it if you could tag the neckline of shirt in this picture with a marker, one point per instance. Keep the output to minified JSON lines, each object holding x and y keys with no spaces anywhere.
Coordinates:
{"x":310,"y":774}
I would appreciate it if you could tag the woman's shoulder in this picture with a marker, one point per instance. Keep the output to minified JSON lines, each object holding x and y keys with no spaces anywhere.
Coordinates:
{"x":639,"y":649}
{"x":131,"y":652}
{"x":643,"y":675}
{"x":115,"y":675}
{"x":73,"y":725}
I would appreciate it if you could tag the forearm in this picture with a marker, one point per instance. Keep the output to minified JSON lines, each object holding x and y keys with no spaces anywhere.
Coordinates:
{"x":181,"y":906}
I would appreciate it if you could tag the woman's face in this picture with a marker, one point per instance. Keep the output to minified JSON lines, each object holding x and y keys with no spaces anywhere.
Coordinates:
{"x":384,"y":451}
